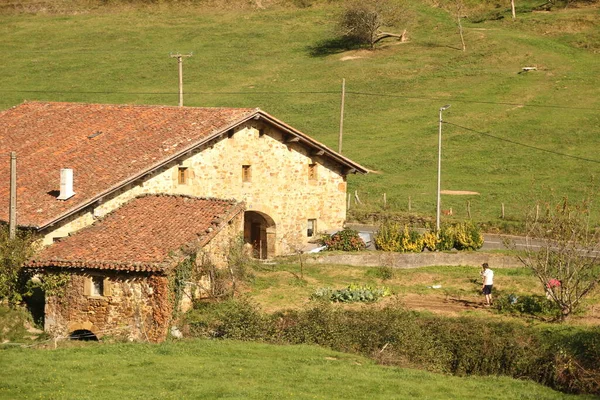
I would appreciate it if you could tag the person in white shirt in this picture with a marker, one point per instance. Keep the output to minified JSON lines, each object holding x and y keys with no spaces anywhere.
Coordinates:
{"x":488,"y":282}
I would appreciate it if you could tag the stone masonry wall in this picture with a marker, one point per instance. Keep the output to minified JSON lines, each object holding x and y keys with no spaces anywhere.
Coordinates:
{"x":136,"y":307}
{"x":279,"y":186}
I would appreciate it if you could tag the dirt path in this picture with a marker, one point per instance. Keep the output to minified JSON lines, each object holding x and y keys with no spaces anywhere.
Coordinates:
{"x":441,"y":304}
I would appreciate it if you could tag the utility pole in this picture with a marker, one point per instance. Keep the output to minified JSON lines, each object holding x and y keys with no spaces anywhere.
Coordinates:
{"x":342,"y":116}
{"x":439,"y":177}
{"x":12,"y":216}
{"x":179,"y":58}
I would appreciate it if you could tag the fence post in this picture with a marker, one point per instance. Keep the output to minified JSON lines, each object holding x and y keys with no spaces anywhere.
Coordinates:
{"x":502,"y":211}
{"x":409,"y":204}
{"x":469,"y":209}
{"x":384,"y":201}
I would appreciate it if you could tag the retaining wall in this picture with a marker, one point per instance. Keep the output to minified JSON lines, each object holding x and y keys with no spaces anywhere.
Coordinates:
{"x":416,"y":260}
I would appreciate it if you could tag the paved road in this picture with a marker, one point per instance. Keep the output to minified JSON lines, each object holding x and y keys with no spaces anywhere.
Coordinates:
{"x":490,"y":241}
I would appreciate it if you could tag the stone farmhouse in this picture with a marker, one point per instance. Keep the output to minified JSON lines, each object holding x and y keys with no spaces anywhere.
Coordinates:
{"x":120,"y":195}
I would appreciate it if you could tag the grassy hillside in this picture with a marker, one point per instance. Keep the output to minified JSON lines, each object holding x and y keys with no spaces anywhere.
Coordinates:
{"x":510,"y":136}
{"x":226,"y":369}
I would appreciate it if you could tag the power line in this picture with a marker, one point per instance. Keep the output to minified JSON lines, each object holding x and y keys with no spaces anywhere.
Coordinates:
{"x":452,"y":99}
{"x":523,"y":144}
{"x":318,"y":92}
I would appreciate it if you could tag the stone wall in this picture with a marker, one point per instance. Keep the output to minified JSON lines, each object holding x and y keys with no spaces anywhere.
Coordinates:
{"x":136,"y":307}
{"x":279,"y":185}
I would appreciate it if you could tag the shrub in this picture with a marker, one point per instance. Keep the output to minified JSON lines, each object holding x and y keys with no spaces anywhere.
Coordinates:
{"x":431,"y":240}
{"x":388,"y":236}
{"x":13,"y":253}
{"x":565,"y":358}
{"x":410,"y":241}
{"x":385,"y":272}
{"x":391,"y":238}
{"x":467,"y":236}
{"x":446,"y":238}
{"x":526,"y":304}
{"x":345,"y":240}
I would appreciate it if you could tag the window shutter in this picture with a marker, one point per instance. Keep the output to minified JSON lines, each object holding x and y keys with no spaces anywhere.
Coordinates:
{"x":107,"y":287}
{"x":87,"y":286}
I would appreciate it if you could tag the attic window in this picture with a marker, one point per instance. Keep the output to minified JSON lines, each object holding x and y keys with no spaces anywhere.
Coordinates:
{"x":230,"y":133}
{"x":261,"y":132}
{"x":246,"y":173}
{"x":182,"y":175}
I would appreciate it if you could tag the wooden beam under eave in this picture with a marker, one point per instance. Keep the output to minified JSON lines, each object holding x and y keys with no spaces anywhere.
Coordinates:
{"x":317,"y":152}
{"x":347,"y":171}
{"x":292,"y":139}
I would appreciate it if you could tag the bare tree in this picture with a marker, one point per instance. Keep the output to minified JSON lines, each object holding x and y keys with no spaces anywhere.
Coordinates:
{"x":562,"y":252}
{"x":363,"y":21}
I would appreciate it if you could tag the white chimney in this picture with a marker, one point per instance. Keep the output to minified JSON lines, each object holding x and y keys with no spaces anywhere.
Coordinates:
{"x":66,"y":184}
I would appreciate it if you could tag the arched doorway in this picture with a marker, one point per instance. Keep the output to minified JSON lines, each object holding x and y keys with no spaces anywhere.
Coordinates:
{"x":259,"y":231}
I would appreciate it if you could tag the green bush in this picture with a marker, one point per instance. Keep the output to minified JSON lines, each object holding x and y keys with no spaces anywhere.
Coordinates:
{"x":345,"y":240}
{"x":565,"y":358}
{"x":526,"y":304}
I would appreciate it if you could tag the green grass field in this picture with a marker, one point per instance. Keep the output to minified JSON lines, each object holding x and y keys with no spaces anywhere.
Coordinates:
{"x":202,"y":369}
{"x":511,"y":137}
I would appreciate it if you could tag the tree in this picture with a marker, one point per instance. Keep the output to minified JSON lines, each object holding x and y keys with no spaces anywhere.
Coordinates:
{"x":13,"y":253}
{"x":562,"y":252}
{"x":362,"y":21}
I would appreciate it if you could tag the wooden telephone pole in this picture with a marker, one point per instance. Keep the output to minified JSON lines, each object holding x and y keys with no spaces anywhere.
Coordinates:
{"x":179,"y":58}
{"x":12,"y":214}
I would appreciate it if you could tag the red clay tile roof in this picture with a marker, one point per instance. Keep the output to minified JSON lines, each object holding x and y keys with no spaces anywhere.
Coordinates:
{"x":103,"y":144}
{"x":142,"y":234}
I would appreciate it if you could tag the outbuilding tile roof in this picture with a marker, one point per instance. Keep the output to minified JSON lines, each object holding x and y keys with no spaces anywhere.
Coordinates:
{"x":103,"y":144}
{"x":142,"y":234}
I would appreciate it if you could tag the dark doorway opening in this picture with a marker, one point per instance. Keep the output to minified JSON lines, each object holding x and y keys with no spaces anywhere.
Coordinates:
{"x":83,"y":334}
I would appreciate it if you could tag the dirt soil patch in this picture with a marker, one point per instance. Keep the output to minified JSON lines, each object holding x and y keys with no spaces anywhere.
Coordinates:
{"x":459,"y":192}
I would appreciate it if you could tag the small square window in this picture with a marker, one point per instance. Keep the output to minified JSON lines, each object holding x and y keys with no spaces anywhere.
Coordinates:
{"x":246,"y":173}
{"x":311,"y":228}
{"x":97,"y":287}
{"x":182,"y":175}
{"x":312,"y":172}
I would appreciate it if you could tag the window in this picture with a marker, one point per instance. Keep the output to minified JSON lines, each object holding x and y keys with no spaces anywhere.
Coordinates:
{"x":182,"y":175}
{"x":312,"y":172}
{"x":97,"y":286}
{"x":311,"y":228}
{"x":246,"y":173}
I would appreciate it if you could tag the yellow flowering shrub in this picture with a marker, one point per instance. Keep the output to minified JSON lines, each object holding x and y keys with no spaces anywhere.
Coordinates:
{"x":430,"y":240}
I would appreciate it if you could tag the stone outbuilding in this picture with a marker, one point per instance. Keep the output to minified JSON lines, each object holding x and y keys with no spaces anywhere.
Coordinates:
{"x":122,"y":267}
